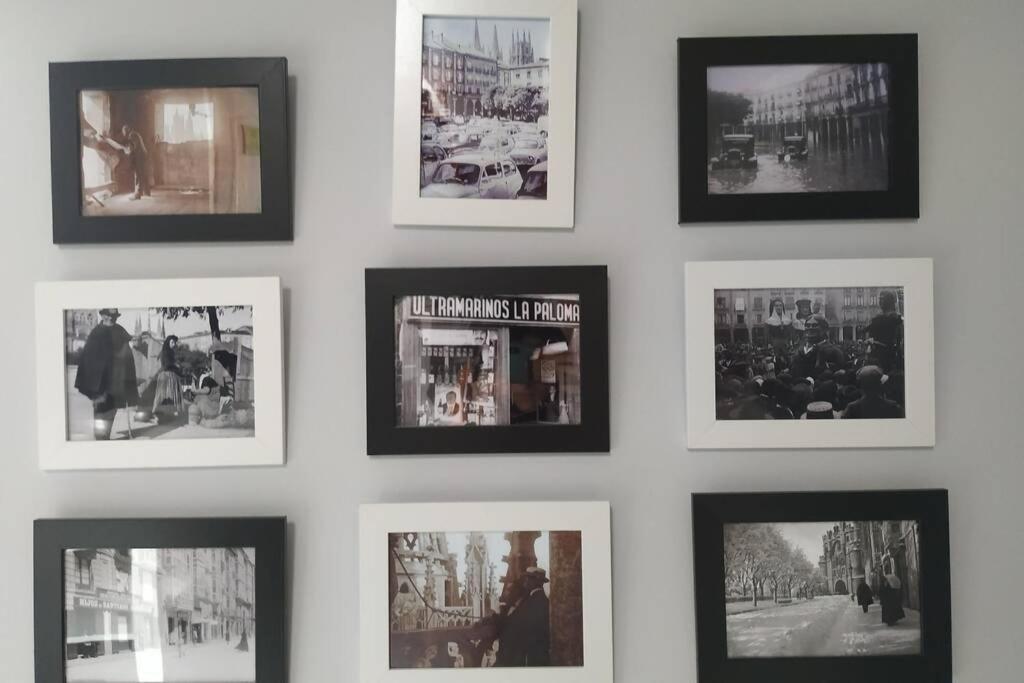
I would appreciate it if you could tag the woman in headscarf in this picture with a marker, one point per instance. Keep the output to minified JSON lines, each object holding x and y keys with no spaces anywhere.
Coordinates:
{"x":168,"y":401}
{"x":780,"y":326}
{"x":890,"y":594}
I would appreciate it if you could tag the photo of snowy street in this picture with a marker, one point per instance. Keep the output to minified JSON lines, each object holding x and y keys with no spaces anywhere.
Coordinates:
{"x":858,"y":596}
{"x":218,"y":661}
{"x":824,"y":626}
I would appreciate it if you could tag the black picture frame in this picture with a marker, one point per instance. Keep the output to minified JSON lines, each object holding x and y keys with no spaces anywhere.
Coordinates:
{"x":900,"y":200}
{"x":53,"y":536}
{"x":268,"y":74}
{"x":929,"y":507}
{"x":384,"y":285}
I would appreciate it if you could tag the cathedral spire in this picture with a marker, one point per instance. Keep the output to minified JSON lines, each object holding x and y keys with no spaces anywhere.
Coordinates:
{"x":497,"y":46}
{"x":476,"y":36}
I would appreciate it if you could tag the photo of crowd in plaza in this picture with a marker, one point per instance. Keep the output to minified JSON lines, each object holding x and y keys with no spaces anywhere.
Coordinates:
{"x":487,"y":360}
{"x":484,"y":108}
{"x":167,"y":615}
{"x":809,"y":353}
{"x":794,"y":128}
{"x":179,"y":373}
{"x":170,"y":151}
{"x":485,"y":599}
{"x":822,"y":589}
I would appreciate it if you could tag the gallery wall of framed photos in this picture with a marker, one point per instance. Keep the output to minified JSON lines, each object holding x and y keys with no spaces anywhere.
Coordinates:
{"x":351,"y":355}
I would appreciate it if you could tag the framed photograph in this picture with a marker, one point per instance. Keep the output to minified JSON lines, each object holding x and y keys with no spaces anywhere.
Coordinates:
{"x":487,"y":360}
{"x":169,"y":600}
{"x":806,"y":587}
{"x":798,"y":128}
{"x":810,"y":354}
{"x":504,"y":591}
{"x":159,"y":373}
{"x":178,"y":150}
{"x":485,"y":113}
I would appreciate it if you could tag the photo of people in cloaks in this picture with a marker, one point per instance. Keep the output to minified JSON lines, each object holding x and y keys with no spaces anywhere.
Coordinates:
{"x":485,"y":599}
{"x":159,"y":373}
{"x":822,"y":589}
{"x":809,"y":353}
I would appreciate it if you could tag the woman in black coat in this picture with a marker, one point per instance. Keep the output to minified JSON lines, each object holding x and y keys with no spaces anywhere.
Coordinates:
{"x":890,"y":594}
{"x":865,"y":596}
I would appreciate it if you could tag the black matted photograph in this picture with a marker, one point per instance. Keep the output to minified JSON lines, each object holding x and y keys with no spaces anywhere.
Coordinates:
{"x":160,"y":600}
{"x":809,"y":127}
{"x":823,"y":353}
{"x":514,"y":357}
{"x":484,"y":107}
{"x":485,"y":599}
{"x":172,"y":150}
{"x":843,"y":586}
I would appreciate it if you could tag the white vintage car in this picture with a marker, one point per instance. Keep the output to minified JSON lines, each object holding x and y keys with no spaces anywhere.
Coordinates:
{"x":476,"y":176}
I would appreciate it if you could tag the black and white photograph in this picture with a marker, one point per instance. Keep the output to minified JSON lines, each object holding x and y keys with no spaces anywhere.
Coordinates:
{"x":481,"y":599}
{"x":824,"y":353}
{"x":822,"y":589}
{"x":484,"y":121}
{"x":183,"y":372}
{"x":777,"y":128}
{"x":170,"y":151}
{"x":479,"y":361}
{"x":160,"y":615}
{"x":793,"y":128}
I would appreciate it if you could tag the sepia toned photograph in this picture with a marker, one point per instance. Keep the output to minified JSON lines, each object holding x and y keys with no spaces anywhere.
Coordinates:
{"x":159,"y":373}
{"x":485,"y":599}
{"x":796,"y":128}
{"x":484,"y":121}
{"x":822,"y":589}
{"x":479,"y":361}
{"x":809,"y":353}
{"x":160,"y":615}
{"x":170,"y":151}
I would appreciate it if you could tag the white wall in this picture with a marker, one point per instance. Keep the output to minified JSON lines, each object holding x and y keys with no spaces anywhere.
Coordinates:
{"x":341,"y":57}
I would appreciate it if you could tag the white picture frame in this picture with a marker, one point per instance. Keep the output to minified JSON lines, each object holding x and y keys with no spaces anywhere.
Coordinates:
{"x":58,"y":452}
{"x":557,"y":210}
{"x":592,"y":519}
{"x":917,"y":429}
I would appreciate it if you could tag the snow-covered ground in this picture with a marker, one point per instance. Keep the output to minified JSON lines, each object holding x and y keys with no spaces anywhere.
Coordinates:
{"x":827,"y":626}
{"x":210,"y":662}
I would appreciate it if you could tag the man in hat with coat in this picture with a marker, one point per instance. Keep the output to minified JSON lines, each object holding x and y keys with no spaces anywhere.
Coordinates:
{"x":524,"y":637}
{"x":106,"y":372}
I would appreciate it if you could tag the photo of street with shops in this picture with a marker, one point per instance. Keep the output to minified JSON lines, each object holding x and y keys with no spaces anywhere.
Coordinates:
{"x":487,"y":360}
{"x":485,"y":599}
{"x":159,"y":373}
{"x":824,"y":353}
{"x":793,"y":128}
{"x":484,"y":108}
{"x":170,"y":151}
{"x":160,"y":615}
{"x":822,"y":589}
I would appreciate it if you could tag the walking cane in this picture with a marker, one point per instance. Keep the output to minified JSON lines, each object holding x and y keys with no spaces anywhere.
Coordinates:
{"x":129,"y":412}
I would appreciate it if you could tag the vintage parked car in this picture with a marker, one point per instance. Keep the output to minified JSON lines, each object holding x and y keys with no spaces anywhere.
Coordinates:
{"x":481,"y":176}
{"x":470,"y":142}
{"x":535,"y":186}
{"x":528,"y":151}
{"x":499,"y":144}
{"x":430,"y":156}
{"x":737,"y":152}
{"x":794,"y":148}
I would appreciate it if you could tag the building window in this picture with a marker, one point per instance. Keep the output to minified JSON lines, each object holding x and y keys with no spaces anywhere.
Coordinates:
{"x":740,"y":319}
{"x":758,"y":303}
{"x":436,"y":59}
{"x":741,"y":303}
{"x":719,"y":302}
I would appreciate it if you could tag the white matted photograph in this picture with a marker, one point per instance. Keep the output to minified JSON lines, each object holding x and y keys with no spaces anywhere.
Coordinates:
{"x":507,"y":587}
{"x":159,"y":373}
{"x":485,"y":103}
{"x":774,"y":347}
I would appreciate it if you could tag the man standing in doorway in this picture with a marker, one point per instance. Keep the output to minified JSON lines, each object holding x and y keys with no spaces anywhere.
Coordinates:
{"x":138,"y":160}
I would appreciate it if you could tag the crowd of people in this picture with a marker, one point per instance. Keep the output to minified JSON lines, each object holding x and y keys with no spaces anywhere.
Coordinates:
{"x":800,"y":373}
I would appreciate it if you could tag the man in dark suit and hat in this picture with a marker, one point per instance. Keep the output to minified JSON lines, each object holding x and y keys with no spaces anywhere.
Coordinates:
{"x":524,"y":636}
{"x":817,"y":354}
{"x":106,"y":372}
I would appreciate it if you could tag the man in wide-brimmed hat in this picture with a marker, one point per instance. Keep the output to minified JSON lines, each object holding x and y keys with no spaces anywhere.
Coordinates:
{"x":106,"y":372}
{"x":525,"y":634}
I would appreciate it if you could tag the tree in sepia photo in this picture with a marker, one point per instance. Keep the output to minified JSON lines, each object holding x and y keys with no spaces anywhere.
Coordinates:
{"x":485,"y":599}
{"x":484,"y":108}
{"x":160,"y":615}
{"x":809,"y":353}
{"x":822,"y":589}
{"x":170,"y":151}
{"x":159,"y":373}
{"x":797,"y":128}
